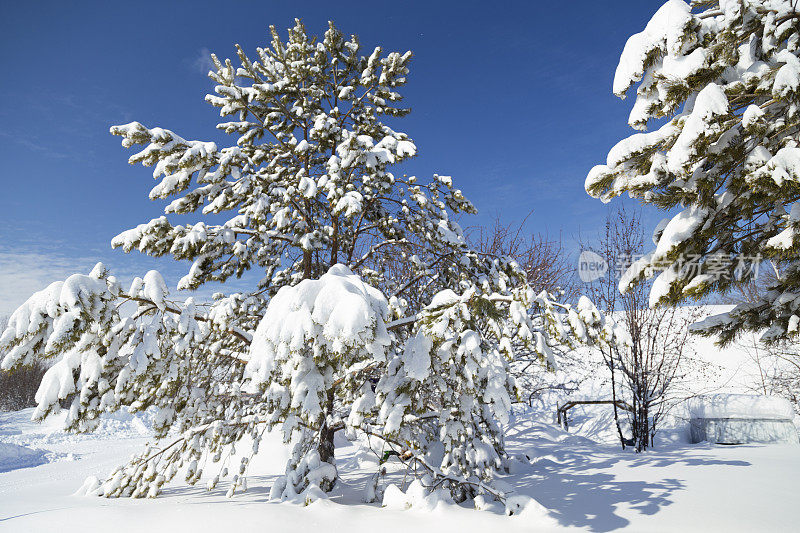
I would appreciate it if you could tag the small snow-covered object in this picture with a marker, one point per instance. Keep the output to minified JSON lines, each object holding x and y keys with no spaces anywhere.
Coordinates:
{"x":416,"y":496}
{"x":395,"y":498}
{"x":483,"y":503}
{"x":91,"y":487}
{"x":533,"y":512}
{"x":740,"y":406}
{"x":312,"y":494}
{"x":741,"y":418}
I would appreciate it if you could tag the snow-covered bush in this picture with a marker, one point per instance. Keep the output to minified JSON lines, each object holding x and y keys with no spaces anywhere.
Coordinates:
{"x":722,"y":79}
{"x":449,"y":388}
{"x":371,"y":313}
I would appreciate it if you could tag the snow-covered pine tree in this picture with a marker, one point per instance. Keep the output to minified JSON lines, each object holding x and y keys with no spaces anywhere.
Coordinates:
{"x":308,"y":202}
{"x":724,"y":77}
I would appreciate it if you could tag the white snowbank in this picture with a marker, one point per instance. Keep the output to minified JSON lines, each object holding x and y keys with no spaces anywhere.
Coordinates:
{"x":125,"y":424}
{"x":18,"y":428}
{"x":416,"y":497}
{"x":740,"y":406}
{"x":13,"y":456}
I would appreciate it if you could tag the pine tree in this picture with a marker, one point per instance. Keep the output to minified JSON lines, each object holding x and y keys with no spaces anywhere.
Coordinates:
{"x":362,"y":271}
{"x":724,"y":79}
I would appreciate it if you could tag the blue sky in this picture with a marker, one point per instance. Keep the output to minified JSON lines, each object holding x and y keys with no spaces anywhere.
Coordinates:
{"x":511,"y":99}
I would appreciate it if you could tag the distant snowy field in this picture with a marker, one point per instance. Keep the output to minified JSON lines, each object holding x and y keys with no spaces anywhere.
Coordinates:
{"x":581,"y":478}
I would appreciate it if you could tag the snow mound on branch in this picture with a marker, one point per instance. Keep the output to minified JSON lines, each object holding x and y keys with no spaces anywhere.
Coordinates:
{"x":740,"y":406}
{"x":63,"y":300}
{"x":678,"y":230}
{"x":338,"y":311}
{"x":664,"y":32}
{"x":417,"y":357}
{"x":13,"y":456}
{"x":711,"y":102}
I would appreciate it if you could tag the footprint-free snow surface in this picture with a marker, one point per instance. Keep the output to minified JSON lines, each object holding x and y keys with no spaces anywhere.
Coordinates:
{"x":581,"y":485}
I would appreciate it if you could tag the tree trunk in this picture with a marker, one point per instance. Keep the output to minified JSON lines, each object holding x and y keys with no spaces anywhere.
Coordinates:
{"x":616,"y":412}
{"x":307,"y":265}
{"x":614,"y":398}
{"x":326,"y":448}
{"x":642,"y":432}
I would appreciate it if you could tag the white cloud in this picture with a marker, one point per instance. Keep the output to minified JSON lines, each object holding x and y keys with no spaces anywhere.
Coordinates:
{"x":202,"y":63}
{"x":24,"y":272}
{"x":30,"y":268}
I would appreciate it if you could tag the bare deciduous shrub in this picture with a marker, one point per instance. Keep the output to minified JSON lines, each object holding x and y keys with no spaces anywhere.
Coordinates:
{"x":18,"y":387}
{"x":548,"y":268}
{"x":544,"y":260}
{"x":647,"y":372}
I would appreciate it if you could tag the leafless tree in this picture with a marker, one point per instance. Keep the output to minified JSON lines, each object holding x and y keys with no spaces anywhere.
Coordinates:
{"x":18,"y":388}
{"x":544,"y":260}
{"x":605,"y":294}
{"x":778,"y":367}
{"x":548,"y":268}
{"x":645,"y":371}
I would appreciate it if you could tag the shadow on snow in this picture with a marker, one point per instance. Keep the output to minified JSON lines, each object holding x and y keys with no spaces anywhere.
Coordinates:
{"x":569,"y":475}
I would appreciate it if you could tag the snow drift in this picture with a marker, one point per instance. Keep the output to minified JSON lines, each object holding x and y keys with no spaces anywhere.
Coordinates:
{"x":13,"y":456}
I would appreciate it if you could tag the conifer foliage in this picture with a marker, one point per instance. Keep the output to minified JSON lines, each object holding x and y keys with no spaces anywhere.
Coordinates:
{"x":723,"y":79}
{"x":333,"y":336}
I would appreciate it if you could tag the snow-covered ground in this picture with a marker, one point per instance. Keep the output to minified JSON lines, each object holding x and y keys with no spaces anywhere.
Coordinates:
{"x":581,"y":478}
{"x":582,"y":483}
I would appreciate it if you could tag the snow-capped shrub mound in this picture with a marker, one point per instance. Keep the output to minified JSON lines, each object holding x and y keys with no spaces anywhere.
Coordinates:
{"x":337,"y":312}
{"x":532,"y":512}
{"x":415,"y":497}
{"x":91,"y":487}
{"x":740,"y":406}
